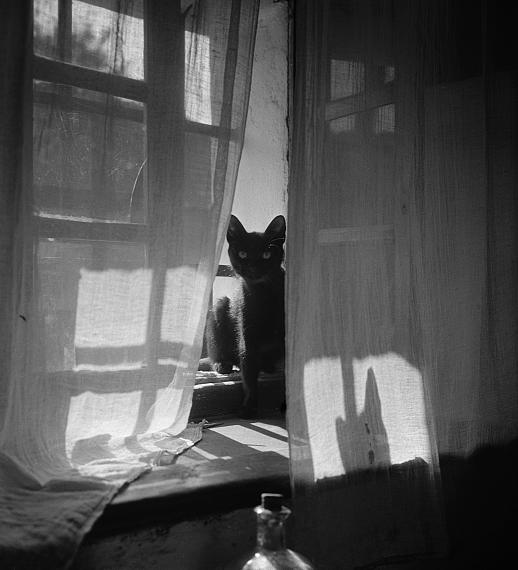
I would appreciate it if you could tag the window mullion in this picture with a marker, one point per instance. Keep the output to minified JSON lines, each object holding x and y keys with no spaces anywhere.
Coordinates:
{"x":164,"y":76}
{"x":383,"y":95}
{"x":66,"y":73}
{"x":65,"y":30}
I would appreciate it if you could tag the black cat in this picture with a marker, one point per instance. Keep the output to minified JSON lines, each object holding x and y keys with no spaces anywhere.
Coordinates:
{"x":248,"y":329}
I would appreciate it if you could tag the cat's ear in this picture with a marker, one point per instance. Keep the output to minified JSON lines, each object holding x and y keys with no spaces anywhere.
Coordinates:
{"x":276,"y":230}
{"x":235,"y":230}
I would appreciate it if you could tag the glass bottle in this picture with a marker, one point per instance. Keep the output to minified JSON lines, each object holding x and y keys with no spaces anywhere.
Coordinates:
{"x":271,"y":552}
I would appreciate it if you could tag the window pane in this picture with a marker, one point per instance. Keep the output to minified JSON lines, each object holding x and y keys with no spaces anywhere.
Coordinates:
{"x":345,"y":124}
{"x":385,"y":119}
{"x":346,"y":78}
{"x":46,"y":28}
{"x":88,"y":154}
{"x":106,"y":35}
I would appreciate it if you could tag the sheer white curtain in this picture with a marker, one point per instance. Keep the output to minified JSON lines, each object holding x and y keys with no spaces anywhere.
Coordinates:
{"x":402,"y":282}
{"x":122,"y":133}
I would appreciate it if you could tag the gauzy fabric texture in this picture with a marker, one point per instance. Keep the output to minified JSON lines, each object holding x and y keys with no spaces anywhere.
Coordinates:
{"x":121,"y":132}
{"x":401,"y":281}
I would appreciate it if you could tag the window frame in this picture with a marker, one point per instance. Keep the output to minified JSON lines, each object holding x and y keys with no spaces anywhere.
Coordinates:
{"x":213,"y":397}
{"x":153,"y":91}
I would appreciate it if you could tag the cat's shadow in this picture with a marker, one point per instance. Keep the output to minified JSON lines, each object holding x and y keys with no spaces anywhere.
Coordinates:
{"x":362,"y":437}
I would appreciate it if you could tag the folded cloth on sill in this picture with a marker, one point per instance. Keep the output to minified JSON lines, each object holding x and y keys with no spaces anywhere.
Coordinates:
{"x":42,"y":524}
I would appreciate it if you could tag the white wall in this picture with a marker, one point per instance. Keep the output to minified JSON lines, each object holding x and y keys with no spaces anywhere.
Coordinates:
{"x":263,"y":172}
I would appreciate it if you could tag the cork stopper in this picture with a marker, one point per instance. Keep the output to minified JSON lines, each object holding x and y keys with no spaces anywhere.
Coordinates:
{"x":271,"y":501}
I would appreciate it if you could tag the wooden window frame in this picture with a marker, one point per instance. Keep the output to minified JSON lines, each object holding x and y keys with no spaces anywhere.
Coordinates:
{"x":160,"y":19}
{"x":212,"y":397}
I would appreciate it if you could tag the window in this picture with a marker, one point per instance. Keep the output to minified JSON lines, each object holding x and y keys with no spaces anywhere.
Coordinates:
{"x":104,"y":76}
{"x":109,"y":281}
{"x":360,"y":97}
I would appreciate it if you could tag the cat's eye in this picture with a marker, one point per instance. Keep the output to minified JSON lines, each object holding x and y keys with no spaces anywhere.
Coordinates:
{"x":242,"y":254}
{"x":267,"y":254}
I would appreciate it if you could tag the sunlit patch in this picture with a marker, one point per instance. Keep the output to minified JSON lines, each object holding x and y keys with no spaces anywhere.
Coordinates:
{"x":278,"y":430}
{"x":252,"y":439}
{"x":171,"y":404}
{"x":402,"y":402}
{"x":172,"y":362}
{"x":365,"y":414}
{"x":112,"y":319}
{"x":112,"y":367}
{"x":182,"y":301}
{"x":324,"y":401}
{"x":198,"y":78}
{"x":210,"y":456}
{"x":94,"y":418}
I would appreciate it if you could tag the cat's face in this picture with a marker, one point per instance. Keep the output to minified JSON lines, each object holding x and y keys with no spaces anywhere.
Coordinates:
{"x":256,"y":256}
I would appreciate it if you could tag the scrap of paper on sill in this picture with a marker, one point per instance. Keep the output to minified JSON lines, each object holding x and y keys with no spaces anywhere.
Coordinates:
{"x":173,"y":446}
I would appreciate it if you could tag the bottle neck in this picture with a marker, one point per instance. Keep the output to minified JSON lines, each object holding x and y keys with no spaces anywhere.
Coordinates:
{"x":270,"y":528}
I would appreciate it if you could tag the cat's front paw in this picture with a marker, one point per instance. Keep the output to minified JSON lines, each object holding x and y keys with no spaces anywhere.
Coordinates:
{"x":222,"y":367}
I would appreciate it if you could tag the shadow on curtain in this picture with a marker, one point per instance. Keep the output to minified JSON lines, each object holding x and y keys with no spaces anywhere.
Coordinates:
{"x":402,"y":283}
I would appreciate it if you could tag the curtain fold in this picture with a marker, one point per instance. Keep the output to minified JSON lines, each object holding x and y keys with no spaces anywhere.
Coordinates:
{"x":123,"y":132}
{"x":401,"y":366}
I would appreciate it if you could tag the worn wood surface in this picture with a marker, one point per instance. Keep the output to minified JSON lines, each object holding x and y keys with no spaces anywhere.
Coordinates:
{"x":222,"y":541}
{"x":228,"y":469}
{"x":224,"y":398}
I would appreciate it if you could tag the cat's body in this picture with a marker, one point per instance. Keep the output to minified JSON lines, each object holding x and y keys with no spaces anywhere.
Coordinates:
{"x":247,"y":330}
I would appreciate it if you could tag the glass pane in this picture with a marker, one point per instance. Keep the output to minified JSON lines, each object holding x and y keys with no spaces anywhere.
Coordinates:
{"x":94,"y":300}
{"x":106,"y":35}
{"x":346,"y":78}
{"x":345,"y":124}
{"x":385,"y":119}
{"x":45,"y":35}
{"x":88,"y":155}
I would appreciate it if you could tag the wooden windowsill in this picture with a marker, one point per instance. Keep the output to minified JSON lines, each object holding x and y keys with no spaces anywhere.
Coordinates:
{"x":235,"y":462}
{"x":221,"y":395}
